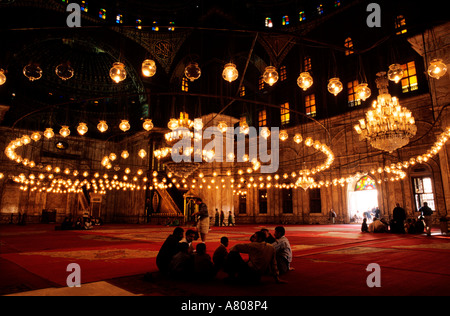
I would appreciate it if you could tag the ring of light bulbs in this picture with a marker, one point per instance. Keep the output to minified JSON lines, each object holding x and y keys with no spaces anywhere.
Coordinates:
{"x":393,"y":172}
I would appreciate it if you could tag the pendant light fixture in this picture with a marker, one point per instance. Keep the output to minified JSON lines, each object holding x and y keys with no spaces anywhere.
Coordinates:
{"x":82,"y":128}
{"x":192,"y":71}
{"x":305,"y":81}
{"x":64,"y":131}
{"x":230,"y":73}
{"x":32,"y":71}
{"x":2,"y":77}
{"x":395,"y":72}
{"x":270,"y":75}
{"x":64,"y":71}
{"x":335,"y":86}
{"x":437,"y":68}
{"x":148,"y":124}
{"x":118,"y":72}
{"x":102,"y":126}
{"x":124,"y":125}
{"x":148,"y":68}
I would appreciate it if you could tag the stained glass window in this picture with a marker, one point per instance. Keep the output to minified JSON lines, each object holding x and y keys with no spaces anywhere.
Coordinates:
{"x":268,"y":22}
{"x":139,"y":24}
{"x":365,"y":183}
{"x":285,"y":20}
{"x":84,"y":6}
{"x":301,"y":16}
{"x":400,"y":25}
{"x":348,"y":43}
{"x":102,"y":14}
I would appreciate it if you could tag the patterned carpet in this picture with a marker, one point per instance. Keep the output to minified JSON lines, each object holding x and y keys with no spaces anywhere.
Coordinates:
{"x":329,"y":260}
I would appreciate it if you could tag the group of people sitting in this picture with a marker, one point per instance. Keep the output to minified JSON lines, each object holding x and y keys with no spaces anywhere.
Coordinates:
{"x":410,"y":226}
{"x":267,"y":255}
{"x":85,"y":223}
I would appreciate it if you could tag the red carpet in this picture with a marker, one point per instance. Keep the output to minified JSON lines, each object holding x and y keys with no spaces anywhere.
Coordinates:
{"x":328,"y":259}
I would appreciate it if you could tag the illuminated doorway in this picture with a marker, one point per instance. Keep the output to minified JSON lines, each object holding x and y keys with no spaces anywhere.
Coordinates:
{"x":362,"y":198}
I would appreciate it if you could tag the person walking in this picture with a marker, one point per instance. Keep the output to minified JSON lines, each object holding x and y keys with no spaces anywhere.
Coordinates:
{"x":203,"y":219}
{"x":426,"y":212}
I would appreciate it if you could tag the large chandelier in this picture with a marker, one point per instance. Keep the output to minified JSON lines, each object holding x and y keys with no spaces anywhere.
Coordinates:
{"x":304,"y":182}
{"x":388,"y":126}
{"x":180,"y":127}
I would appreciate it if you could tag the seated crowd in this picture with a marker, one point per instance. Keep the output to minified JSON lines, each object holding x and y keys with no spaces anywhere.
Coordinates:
{"x":410,"y":226}
{"x":84,"y":223}
{"x":267,"y":255}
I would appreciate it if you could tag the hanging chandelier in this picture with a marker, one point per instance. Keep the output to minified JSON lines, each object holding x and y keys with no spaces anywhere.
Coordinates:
{"x":33,"y":72}
{"x":335,"y":86}
{"x":48,"y":133}
{"x":180,"y":127}
{"x":230,"y":73}
{"x":270,"y":75}
{"x":437,"y":68}
{"x":2,"y":77}
{"x":148,"y":68}
{"x":395,"y":72}
{"x":64,"y":131}
{"x":102,"y":126}
{"x":124,"y":125}
{"x":148,"y":124}
{"x":305,"y":81}
{"x":192,"y":71}
{"x":64,"y":71}
{"x":388,"y":126}
{"x":82,"y":128}
{"x":363,"y":91}
{"x":118,"y":72}
{"x":305,"y":182}
{"x":222,"y":126}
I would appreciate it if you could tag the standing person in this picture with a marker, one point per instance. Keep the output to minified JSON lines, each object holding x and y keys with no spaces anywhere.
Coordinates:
{"x":230,"y":219}
{"x":399,"y":216}
{"x":216,"y":218}
{"x":426,"y":212}
{"x":222,"y":217}
{"x":376,"y":212}
{"x":169,"y":248}
{"x":283,"y":250}
{"x":203,"y":219}
{"x":333,"y":216}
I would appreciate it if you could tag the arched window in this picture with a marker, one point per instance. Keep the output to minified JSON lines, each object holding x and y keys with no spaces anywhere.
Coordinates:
{"x":268,"y":22}
{"x":365,"y":183}
{"x":422,"y":182}
{"x":348,"y":43}
{"x":400,"y":25}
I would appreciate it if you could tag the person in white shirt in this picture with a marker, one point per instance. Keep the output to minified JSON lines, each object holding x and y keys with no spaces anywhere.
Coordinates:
{"x":283,"y":250}
{"x":262,"y":261}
